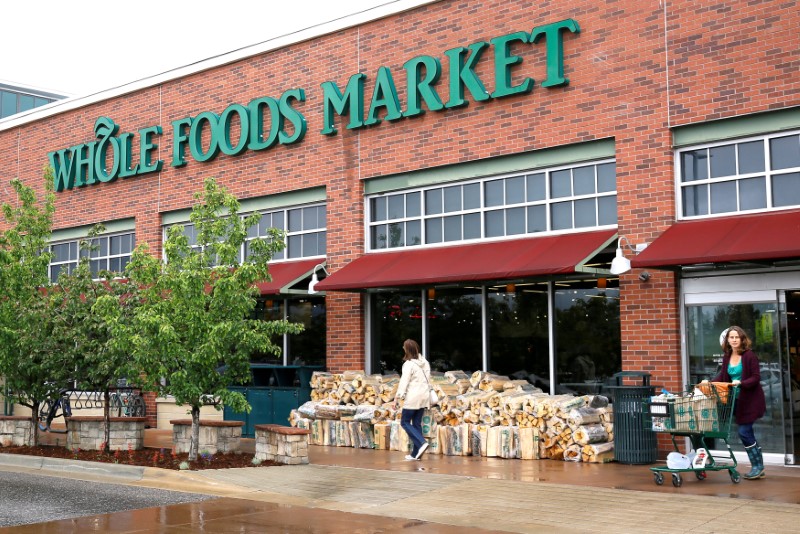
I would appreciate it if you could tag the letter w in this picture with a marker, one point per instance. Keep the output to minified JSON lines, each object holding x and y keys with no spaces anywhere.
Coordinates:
{"x":63,"y":163}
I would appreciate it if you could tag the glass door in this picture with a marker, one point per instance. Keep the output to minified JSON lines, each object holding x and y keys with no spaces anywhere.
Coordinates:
{"x":705,"y":324}
{"x":790,"y":339}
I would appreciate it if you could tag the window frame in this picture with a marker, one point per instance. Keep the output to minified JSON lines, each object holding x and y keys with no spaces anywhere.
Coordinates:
{"x":284,"y":213}
{"x":768,"y":174}
{"x":483,"y":210}
{"x":108,"y":256}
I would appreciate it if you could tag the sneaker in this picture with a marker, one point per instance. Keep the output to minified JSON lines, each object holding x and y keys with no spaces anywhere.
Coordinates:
{"x":422,"y":449}
{"x":410,"y":458}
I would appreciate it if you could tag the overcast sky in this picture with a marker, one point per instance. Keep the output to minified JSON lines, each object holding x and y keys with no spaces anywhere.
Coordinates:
{"x":80,"y":47}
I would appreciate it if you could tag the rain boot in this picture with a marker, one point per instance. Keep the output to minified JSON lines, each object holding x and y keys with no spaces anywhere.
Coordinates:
{"x":756,"y":462}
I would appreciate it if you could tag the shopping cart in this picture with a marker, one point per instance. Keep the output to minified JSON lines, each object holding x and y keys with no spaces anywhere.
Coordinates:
{"x":701,"y":418}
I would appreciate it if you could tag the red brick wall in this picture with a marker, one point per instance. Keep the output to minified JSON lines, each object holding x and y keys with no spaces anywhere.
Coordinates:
{"x":733,"y":58}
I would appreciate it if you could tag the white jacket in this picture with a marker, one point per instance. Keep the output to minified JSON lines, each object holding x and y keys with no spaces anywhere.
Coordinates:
{"x":414,"y":385}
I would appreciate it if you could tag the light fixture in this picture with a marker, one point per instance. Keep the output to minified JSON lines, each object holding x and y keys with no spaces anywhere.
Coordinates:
{"x":620,"y":264}
{"x":314,"y":279}
{"x":511,"y":288}
{"x":602,"y":283}
{"x":431,"y":294}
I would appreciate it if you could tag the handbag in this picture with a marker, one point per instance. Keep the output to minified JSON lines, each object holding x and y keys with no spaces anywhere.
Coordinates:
{"x":434,"y":398}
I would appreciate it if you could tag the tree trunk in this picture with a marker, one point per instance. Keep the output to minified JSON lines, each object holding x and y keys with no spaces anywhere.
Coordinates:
{"x":106,"y":422}
{"x":35,"y":423}
{"x":195,"y":444}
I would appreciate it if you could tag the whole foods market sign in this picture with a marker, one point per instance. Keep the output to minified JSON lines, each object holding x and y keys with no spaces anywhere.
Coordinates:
{"x":266,"y":122}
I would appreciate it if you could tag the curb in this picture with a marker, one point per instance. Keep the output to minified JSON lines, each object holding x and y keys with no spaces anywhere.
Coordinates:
{"x":127,"y":473}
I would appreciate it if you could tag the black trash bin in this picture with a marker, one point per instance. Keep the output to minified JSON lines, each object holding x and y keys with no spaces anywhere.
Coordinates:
{"x":634,"y":443}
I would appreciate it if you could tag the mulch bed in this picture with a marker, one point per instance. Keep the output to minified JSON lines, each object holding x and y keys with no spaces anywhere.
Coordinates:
{"x":163,"y":458}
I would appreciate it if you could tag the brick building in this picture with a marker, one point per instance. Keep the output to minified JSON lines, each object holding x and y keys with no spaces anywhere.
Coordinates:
{"x":464,"y":173}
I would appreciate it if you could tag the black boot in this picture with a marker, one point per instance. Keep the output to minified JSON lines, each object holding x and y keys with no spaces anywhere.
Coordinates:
{"x":756,"y":462}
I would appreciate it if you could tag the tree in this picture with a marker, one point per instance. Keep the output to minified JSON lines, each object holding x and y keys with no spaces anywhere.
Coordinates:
{"x":27,"y":358}
{"x":78,"y":305}
{"x":192,"y":333}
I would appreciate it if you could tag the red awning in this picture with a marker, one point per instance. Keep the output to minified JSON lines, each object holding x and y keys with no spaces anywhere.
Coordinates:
{"x":742,"y":238}
{"x":286,"y":274}
{"x":498,"y":260}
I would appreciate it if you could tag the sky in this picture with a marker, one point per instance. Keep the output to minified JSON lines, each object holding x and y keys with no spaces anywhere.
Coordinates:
{"x":79,"y":47}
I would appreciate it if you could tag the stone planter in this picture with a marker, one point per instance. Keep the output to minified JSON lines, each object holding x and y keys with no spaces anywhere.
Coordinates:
{"x":282,"y":444}
{"x":215,"y":436}
{"x":16,"y":431}
{"x":86,"y":433}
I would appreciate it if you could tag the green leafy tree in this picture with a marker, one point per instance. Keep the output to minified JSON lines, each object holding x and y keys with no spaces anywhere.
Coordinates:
{"x":28,"y":360}
{"x":193,"y":331}
{"x":79,"y":304}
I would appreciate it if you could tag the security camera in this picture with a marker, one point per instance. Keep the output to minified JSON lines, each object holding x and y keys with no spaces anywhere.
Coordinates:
{"x":644,"y":276}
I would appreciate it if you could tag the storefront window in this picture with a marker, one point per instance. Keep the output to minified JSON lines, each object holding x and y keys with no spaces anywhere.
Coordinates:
{"x":706,"y":323}
{"x":455,"y":326}
{"x":396,"y":316}
{"x":516,"y":326}
{"x":587,"y":336}
{"x":305,"y":348}
{"x":518,"y":336}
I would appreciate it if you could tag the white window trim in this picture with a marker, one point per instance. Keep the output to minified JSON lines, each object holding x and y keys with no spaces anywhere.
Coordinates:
{"x":735,"y":178}
{"x":547,"y":202}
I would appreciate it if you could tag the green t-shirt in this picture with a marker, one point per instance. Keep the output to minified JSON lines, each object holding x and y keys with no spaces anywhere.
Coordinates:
{"x":735,"y":371}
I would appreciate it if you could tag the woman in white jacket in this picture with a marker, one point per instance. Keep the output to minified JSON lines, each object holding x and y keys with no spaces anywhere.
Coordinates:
{"x":414,"y":391}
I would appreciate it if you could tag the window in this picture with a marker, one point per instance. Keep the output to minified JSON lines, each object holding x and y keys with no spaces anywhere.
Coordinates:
{"x":305,"y":227}
{"x":494,"y":207}
{"x":752,"y":174}
{"x":106,"y":253}
{"x":12,"y":102}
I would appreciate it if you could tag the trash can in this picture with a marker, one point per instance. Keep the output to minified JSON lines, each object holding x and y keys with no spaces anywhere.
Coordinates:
{"x":634,"y":442}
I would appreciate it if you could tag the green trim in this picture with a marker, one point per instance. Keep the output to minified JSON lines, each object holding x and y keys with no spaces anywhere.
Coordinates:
{"x":550,"y":157}
{"x":743,"y":126}
{"x":112,"y":227}
{"x":249,"y":205}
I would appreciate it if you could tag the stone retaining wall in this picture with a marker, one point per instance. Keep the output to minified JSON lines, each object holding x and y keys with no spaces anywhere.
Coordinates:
{"x":87,"y":433}
{"x":16,"y":431}
{"x":215,"y":436}
{"x":281,"y":444}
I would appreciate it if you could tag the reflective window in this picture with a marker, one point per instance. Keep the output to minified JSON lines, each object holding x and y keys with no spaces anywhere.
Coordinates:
{"x":555,"y":199}
{"x":756,"y":174}
{"x":106,"y":253}
{"x":305,"y":231}
{"x":705,"y":324}
{"x":511,"y":322}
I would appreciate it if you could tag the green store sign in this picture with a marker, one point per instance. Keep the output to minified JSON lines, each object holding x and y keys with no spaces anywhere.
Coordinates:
{"x":266,"y":122}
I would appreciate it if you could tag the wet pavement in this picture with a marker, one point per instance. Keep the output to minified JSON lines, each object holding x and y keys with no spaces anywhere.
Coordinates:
{"x":359,"y":490}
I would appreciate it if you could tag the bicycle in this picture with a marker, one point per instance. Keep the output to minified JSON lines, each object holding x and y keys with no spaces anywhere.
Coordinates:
{"x":126,"y":403}
{"x":52,"y":409}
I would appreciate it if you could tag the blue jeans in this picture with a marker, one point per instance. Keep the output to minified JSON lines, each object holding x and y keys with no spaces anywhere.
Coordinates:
{"x":411,"y":421}
{"x":747,"y":435}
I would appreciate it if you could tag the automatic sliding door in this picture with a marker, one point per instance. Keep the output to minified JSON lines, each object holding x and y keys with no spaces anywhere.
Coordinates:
{"x":705,"y":324}
{"x":790,"y":338}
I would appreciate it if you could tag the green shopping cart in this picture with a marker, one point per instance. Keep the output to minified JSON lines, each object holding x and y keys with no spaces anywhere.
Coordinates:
{"x":702,"y":418}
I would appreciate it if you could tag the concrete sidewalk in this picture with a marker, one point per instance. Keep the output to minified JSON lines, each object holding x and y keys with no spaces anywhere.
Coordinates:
{"x":440,"y":493}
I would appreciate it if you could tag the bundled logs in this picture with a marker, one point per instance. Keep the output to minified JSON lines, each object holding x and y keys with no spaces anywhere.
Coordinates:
{"x":479,"y":414}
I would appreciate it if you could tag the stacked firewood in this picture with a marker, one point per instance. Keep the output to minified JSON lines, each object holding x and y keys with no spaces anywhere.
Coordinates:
{"x":482,"y":414}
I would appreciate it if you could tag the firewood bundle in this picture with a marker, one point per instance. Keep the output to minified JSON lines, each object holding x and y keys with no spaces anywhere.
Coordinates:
{"x":482,"y":413}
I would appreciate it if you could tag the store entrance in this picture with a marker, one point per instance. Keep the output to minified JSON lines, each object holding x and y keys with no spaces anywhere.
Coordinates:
{"x":790,"y":330}
{"x":763,"y":325}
